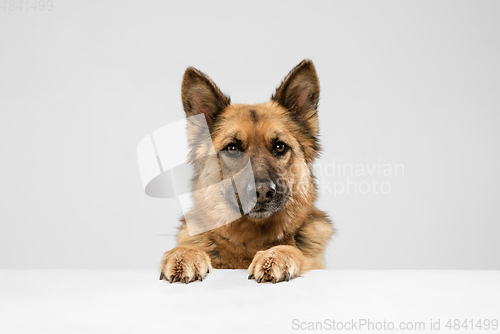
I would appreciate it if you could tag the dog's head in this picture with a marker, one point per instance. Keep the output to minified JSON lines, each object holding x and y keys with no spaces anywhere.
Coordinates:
{"x":278,"y":138}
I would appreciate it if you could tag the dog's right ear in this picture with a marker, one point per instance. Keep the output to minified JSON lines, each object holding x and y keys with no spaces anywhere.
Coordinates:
{"x":201,"y":95}
{"x":299,"y":93}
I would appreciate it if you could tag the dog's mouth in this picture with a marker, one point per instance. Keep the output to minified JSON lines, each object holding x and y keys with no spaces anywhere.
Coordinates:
{"x":263,"y":211}
{"x":247,"y":204}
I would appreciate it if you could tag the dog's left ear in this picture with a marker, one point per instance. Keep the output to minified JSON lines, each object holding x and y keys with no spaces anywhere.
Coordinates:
{"x":201,"y":96}
{"x":299,"y":93}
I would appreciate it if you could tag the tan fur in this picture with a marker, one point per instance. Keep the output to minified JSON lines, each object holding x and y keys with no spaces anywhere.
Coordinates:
{"x":292,"y":240}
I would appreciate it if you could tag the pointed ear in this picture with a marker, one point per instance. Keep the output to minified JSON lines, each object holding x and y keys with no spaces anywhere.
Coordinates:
{"x":201,"y":95}
{"x":299,"y":93}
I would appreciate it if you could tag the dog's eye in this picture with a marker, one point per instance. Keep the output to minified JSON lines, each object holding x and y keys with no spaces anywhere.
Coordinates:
{"x":232,"y":149}
{"x":280,"y":148}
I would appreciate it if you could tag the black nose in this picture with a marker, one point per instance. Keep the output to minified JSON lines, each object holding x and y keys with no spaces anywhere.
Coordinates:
{"x":264,"y":190}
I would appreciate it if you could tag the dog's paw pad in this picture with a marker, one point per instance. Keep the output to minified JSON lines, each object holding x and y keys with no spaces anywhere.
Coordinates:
{"x":185,"y":264}
{"x":278,"y":264}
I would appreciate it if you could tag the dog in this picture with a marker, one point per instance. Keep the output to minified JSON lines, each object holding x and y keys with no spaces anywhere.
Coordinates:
{"x":282,"y":234}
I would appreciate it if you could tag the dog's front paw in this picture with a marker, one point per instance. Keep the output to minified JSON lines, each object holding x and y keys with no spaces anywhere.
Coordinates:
{"x":186,"y":263}
{"x":277,"y":264}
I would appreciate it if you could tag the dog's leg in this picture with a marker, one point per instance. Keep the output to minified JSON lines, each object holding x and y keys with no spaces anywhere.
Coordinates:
{"x":185,"y":263}
{"x":284,"y":262}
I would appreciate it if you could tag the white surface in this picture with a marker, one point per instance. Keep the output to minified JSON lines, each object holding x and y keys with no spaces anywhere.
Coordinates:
{"x":64,"y":301}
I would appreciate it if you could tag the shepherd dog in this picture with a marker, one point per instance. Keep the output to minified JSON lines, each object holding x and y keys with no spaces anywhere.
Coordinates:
{"x":282,"y":235}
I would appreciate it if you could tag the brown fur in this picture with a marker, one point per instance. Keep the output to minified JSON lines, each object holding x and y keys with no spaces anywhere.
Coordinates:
{"x":293,"y":239}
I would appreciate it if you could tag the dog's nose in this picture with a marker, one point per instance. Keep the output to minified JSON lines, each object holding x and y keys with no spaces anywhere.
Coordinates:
{"x":264,"y":190}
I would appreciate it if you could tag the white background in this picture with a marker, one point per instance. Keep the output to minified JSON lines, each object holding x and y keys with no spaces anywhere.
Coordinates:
{"x":413,"y":83}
